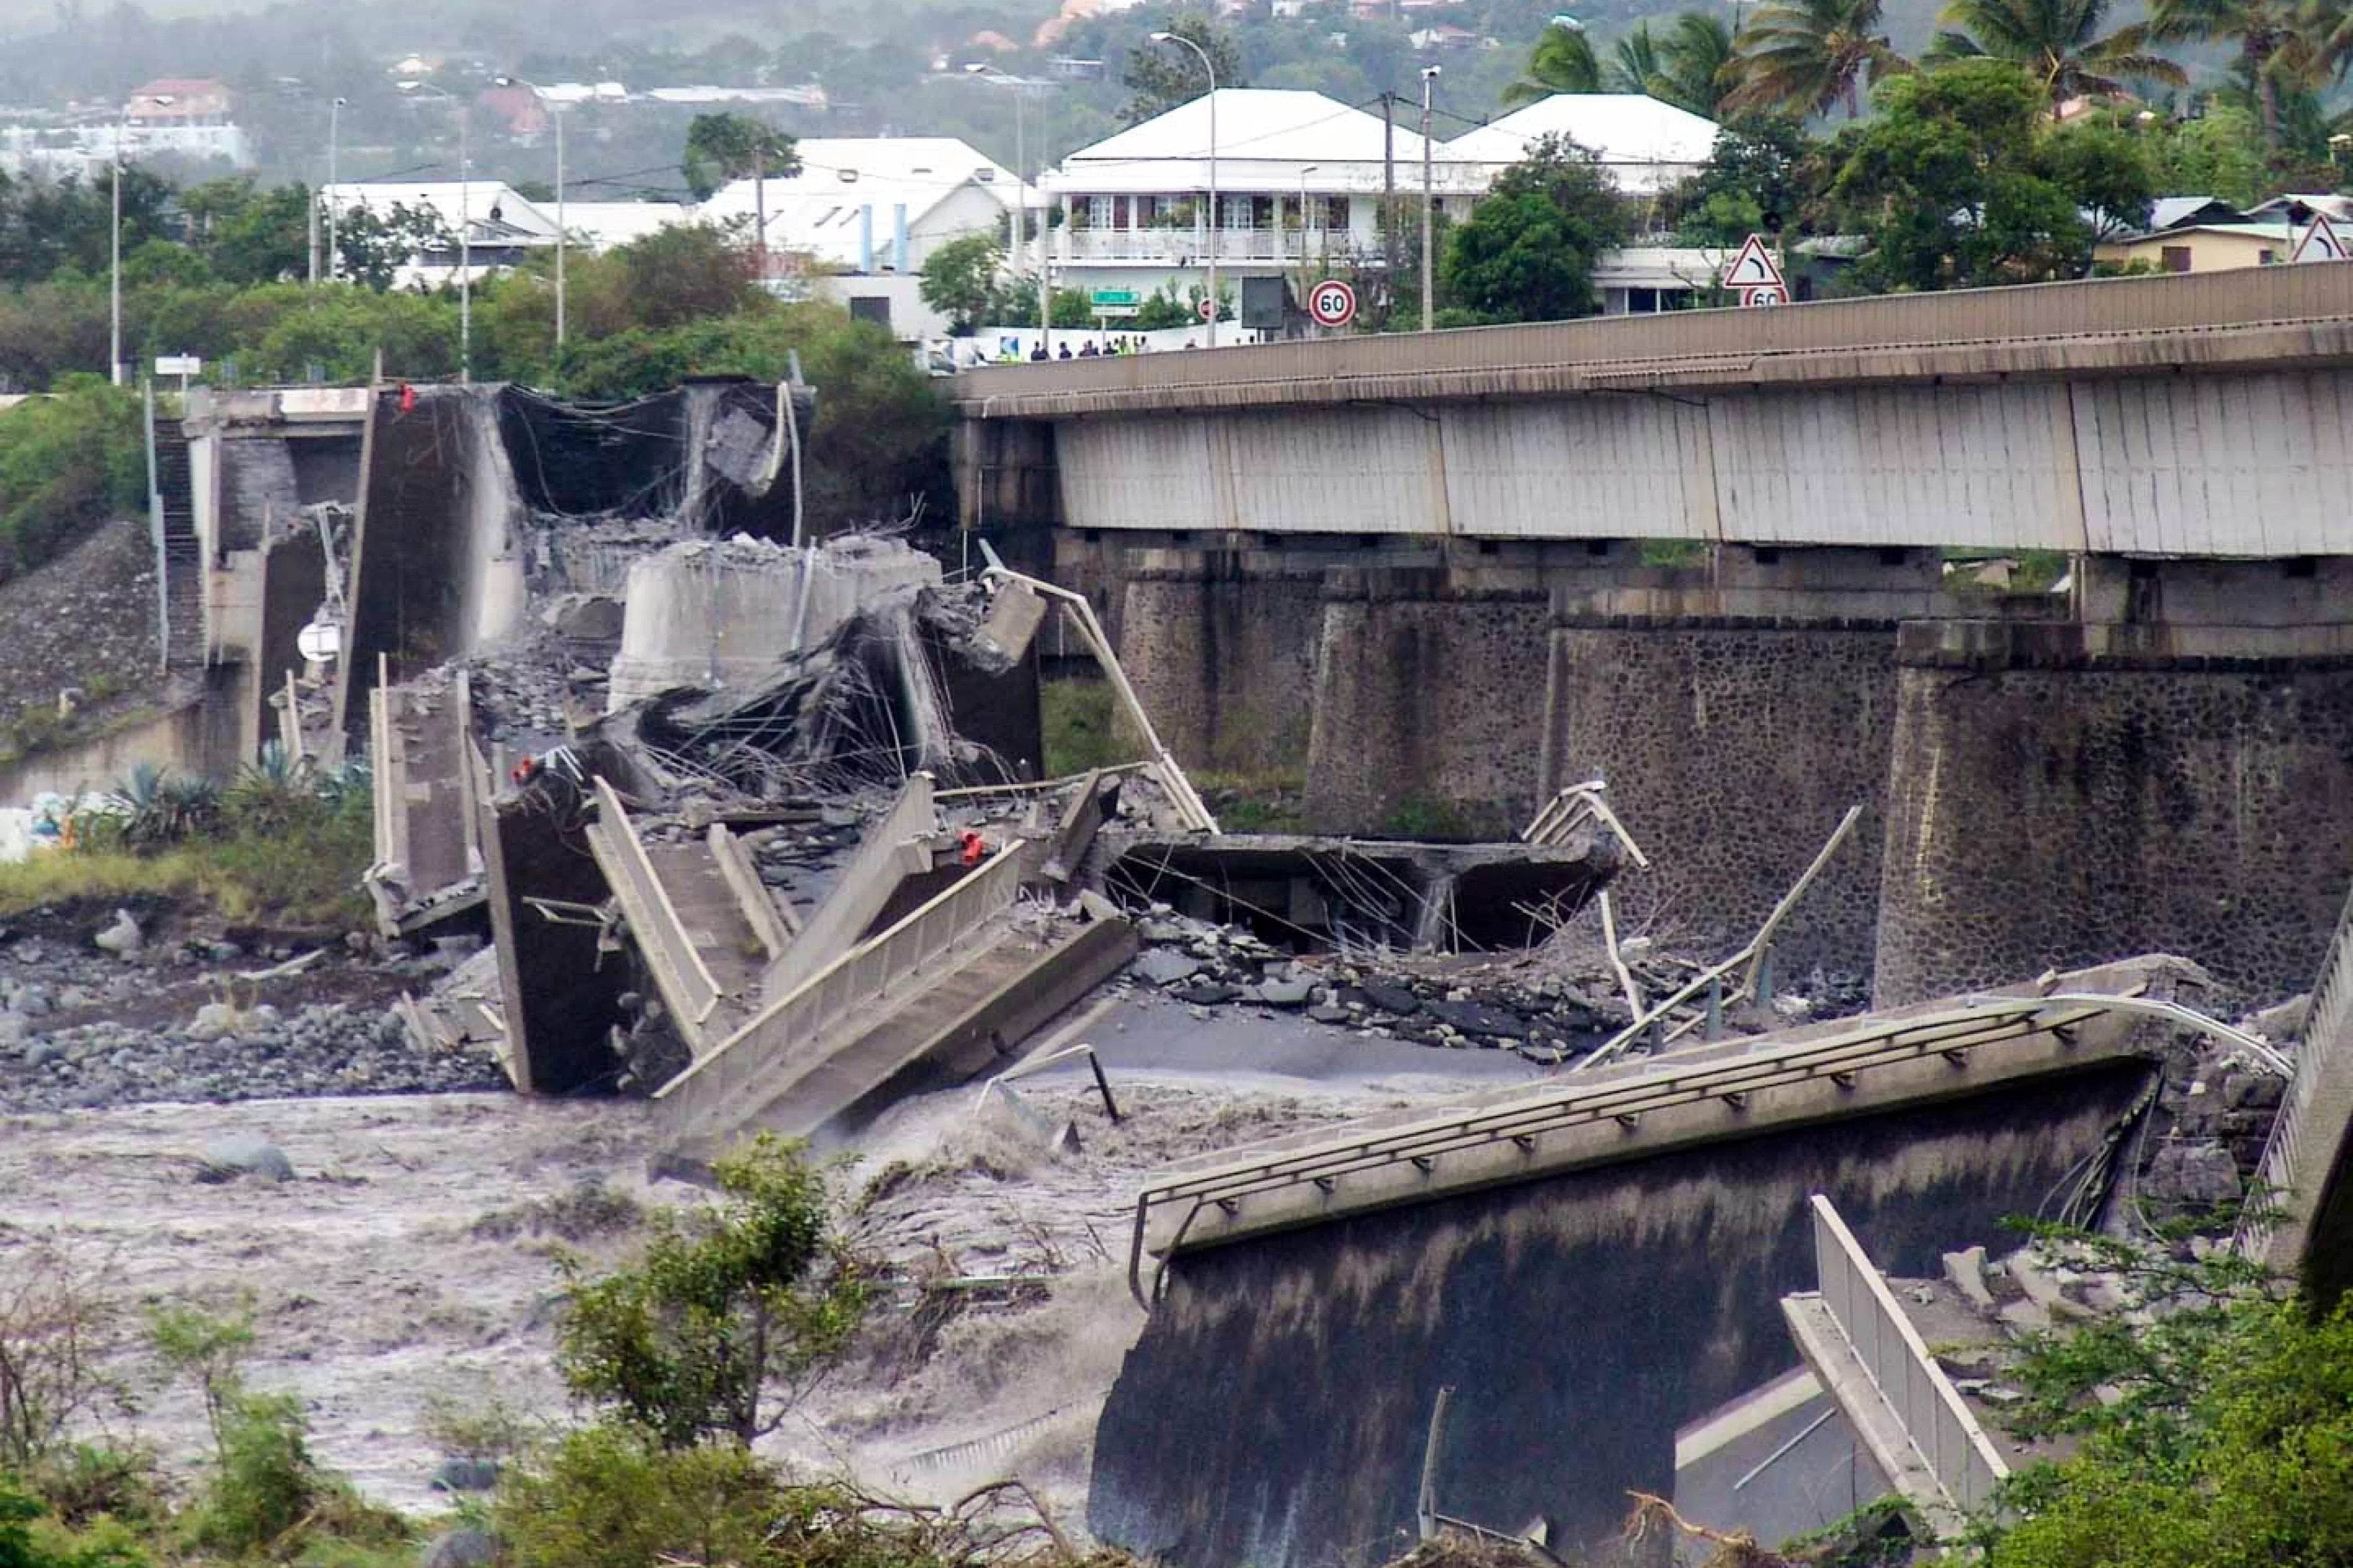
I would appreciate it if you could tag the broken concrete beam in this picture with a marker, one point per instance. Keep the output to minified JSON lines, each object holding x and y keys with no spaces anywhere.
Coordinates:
{"x":1014,"y":616}
{"x":744,"y":879}
{"x":1080,"y":823}
{"x":893,"y":850}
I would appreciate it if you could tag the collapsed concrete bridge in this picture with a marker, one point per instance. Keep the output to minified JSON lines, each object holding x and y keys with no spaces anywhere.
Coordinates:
{"x":1587,"y":1265}
{"x":1708,"y":557}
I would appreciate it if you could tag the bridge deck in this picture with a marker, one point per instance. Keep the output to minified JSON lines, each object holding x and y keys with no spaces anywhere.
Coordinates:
{"x":2278,"y":315}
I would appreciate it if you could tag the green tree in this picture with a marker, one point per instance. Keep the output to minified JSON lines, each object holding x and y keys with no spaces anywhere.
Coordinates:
{"x":68,"y":463}
{"x":1526,"y":252}
{"x":1960,"y":181}
{"x":247,"y":235}
{"x":1633,"y":61}
{"x":725,"y":1316}
{"x":2280,"y":48}
{"x":607,"y":1496}
{"x":2059,"y":42}
{"x":1562,"y":61}
{"x":371,"y":247}
{"x":1697,"y":66}
{"x":2220,"y":154}
{"x":1758,"y":179}
{"x":960,"y":279}
{"x":723,"y":147}
{"x":1159,"y":77}
{"x":1808,"y":56}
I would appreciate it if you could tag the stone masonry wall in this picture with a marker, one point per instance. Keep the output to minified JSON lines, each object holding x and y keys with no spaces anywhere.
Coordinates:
{"x":1428,"y":705}
{"x":2046,"y":817}
{"x":1731,"y":751}
{"x":1224,"y":659}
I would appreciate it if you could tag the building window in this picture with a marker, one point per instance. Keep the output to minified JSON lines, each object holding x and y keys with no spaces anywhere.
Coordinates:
{"x":875,"y":308}
{"x":1641,"y":301}
{"x":1100,"y":213}
{"x":1240,"y":212}
{"x":1336,"y":211}
{"x":2177,"y":258}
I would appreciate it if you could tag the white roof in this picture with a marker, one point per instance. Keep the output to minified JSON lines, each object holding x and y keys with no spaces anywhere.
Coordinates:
{"x":476,"y":200}
{"x":821,"y":209}
{"x":1265,"y":138}
{"x":1641,"y":139}
{"x":603,"y":225}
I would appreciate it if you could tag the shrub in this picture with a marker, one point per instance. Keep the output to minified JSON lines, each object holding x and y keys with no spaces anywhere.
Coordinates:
{"x":610,"y":1496}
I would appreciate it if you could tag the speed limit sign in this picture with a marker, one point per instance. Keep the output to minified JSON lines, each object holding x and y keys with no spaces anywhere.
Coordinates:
{"x":1332,"y":303}
{"x":1208,"y":308}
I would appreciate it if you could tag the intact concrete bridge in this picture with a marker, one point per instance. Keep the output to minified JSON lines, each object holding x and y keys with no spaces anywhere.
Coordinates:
{"x":1706,"y":554}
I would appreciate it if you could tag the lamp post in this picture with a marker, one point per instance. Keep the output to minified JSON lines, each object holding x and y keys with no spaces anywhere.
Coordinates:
{"x":1429,"y":80}
{"x":554,"y":113}
{"x":1210,"y":70}
{"x":1020,"y":89}
{"x":465,"y":239}
{"x":114,"y":261}
{"x":334,"y":148}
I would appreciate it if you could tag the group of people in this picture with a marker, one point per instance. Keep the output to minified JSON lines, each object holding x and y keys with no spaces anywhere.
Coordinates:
{"x":1108,"y":348}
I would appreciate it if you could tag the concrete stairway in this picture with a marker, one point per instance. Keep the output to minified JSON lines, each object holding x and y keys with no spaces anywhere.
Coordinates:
{"x":183,"y":586}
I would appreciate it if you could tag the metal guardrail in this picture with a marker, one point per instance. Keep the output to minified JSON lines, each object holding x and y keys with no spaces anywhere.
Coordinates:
{"x":662,"y":935}
{"x":850,"y":983}
{"x":1954,"y":1446}
{"x":1526,"y":1120}
{"x":2177,"y":305}
{"x":2287,"y":1190}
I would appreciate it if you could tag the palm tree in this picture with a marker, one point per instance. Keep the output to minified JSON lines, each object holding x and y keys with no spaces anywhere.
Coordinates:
{"x":2278,"y":46}
{"x":1634,"y":63}
{"x":1804,"y":56}
{"x":1562,"y":61}
{"x":2059,"y":40}
{"x":1698,"y":67}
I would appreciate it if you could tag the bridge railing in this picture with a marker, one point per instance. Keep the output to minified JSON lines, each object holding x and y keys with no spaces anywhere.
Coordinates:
{"x":861,"y":981}
{"x":1929,"y":1408}
{"x":2180,"y":304}
{"x":2286,"y":1178}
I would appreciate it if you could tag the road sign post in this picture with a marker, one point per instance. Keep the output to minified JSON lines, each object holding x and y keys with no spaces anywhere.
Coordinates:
{"x":1332,"y":303}
{"x":2321,"y":242}
{"x":1754,"y":275}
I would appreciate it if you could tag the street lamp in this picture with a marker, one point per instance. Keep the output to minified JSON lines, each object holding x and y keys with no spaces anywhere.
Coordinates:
{"x":114,"y":247}
{"x":554,"y":113}
{"x":1210,"y":70}
{"x":1429,"y":80}
{"x":335,"y":146}
{"x":465,"y":237}
{"x":1020,"y":87}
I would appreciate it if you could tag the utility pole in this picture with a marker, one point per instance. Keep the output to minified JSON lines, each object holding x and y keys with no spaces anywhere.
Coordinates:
{"x":1429,"y":80}
{"x":760,"y":214}
{"x":1388,"y":196}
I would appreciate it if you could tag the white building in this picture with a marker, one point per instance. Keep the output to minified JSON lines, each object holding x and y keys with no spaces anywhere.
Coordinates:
{"x":1646,"y":146}
{"x":1299,"y":180}
{"x":502,"y":228}
{"x":864,"y":213}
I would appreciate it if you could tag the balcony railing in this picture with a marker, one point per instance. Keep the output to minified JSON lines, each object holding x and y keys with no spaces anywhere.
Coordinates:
{"x":1190,"y":246}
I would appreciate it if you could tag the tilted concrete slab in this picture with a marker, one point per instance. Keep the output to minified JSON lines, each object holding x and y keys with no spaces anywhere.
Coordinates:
{"x":892,"y":851}
{"x":1823,"y":1073}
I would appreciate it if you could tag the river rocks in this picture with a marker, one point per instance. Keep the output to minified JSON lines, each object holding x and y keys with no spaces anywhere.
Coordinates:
{"x":460,"y":1549}
{"x":241,"y":1154}
{"x":466,"y":1476}
{"x":122,"y":938}
{"x":1287,"y":992}
{"x":229,"y":1055}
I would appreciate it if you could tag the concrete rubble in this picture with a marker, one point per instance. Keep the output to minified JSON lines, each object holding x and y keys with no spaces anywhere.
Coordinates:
{"x":762,"y":834}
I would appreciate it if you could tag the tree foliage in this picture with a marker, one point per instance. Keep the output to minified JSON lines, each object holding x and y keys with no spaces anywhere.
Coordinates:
{"x":727,"y":1315}
{"x":960,"y":279}
{"x":1959,"y":182}
{"x":1526,"y":253}
{"x":2217,"y":1425}
{"x":723,"y":147}
{"x":1159,"y":77}
{"x":2059,"y":42}
{"x":1808,"y":57}
{"x":1759,"y":178}
{"x":1562,"y":61}
{"x":68,"y":463}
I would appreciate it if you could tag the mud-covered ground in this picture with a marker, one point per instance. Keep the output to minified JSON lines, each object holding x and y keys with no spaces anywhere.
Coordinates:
{"x":410,"y":1264}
